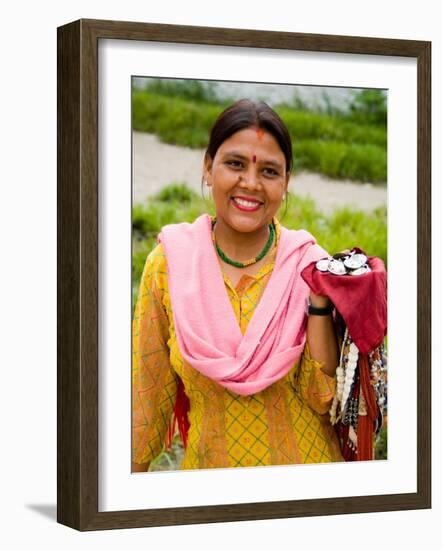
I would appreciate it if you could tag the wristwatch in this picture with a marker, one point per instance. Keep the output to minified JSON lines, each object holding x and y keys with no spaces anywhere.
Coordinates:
{"x":313,"y":310}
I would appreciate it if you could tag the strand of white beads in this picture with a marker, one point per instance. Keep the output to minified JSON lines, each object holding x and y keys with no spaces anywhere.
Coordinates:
{"x":352,"y":361}
{"x":340,"y":378}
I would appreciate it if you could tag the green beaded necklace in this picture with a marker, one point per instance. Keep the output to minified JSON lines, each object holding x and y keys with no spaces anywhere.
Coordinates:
{"x":248,"y":262}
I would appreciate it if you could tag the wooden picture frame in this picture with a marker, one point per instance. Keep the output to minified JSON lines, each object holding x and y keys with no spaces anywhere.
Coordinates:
{"x":77,"y":308}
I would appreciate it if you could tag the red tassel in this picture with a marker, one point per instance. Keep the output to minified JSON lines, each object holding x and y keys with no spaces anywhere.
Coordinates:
{"x":365,"y":438}
{"x":180,"y":417}
{"x":366,"y":423}
{"x":367,"y":388}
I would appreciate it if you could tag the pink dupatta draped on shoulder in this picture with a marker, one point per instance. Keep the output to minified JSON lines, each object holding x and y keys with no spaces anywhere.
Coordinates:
{"x":208,"y":333}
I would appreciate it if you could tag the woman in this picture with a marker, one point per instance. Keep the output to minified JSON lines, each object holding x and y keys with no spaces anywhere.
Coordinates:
{"x":256,"y":369}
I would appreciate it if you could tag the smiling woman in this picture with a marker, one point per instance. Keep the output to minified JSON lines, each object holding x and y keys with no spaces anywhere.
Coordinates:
{"x":228,"y":339}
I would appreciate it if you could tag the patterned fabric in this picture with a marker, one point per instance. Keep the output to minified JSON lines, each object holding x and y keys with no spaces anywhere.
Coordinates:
{"x":286,"y":423}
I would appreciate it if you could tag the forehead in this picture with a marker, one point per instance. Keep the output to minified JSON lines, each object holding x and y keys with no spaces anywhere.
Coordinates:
{"x":253,"y":141}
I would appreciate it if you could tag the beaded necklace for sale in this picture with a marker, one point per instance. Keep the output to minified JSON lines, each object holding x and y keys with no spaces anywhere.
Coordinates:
{"x":349,"y":403}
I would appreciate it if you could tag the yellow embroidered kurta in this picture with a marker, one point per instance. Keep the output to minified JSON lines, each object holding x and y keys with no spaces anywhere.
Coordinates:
{"x":286,"y":423}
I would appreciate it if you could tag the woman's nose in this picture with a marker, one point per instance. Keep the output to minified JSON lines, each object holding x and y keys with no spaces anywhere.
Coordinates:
{"x":250,"y":179}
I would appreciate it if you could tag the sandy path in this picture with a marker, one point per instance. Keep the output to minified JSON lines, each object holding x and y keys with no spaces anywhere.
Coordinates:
{"x":157,"y":164}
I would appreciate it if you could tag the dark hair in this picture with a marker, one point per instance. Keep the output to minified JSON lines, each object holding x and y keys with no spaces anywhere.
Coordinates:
{"x":246,"y":113}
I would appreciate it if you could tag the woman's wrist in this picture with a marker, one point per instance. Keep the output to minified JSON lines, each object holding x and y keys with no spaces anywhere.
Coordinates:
{"x":316,"y":300}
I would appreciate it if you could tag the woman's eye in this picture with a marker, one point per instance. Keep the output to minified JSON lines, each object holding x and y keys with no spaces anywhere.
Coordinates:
{"x":235,"y":163}
{"x":270,"y":172}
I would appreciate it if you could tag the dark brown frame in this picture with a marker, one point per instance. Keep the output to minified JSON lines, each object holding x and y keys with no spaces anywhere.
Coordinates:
{"x":77,"y":309}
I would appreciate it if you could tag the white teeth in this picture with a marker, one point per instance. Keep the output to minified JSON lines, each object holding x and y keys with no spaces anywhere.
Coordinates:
{"x":247,"y":204}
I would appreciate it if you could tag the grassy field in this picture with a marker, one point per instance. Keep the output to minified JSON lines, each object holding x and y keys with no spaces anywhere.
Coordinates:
{"x":351,"y":145}
{"x":342,"y":229}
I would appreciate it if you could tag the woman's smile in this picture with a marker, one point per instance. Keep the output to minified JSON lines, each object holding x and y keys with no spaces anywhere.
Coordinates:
{"x":246,"y":204}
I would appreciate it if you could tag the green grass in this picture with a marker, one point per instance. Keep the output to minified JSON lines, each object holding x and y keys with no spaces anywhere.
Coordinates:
{"x":195,"y":90}
{"x":340,"y":160}
{"x":381,"y":446}
{"x":169,"y":459}
{"x":334,"y":145}
{"x":318,"y":126}
{"x":367,"y":107}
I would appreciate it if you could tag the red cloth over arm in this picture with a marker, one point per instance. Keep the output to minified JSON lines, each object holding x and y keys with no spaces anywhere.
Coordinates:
{"x":361,"y":300}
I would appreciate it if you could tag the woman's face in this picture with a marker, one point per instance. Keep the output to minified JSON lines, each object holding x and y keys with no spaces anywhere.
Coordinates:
{"x":248,"y":179}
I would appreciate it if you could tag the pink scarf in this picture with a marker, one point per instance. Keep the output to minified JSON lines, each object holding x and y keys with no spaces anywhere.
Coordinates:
{"x":208,"y":334}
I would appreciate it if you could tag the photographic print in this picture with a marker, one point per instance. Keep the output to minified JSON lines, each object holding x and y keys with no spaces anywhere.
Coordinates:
{"x":328,"y":147}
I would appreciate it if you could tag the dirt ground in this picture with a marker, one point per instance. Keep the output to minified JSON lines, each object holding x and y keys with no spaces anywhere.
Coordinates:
{"x":158,"y":164}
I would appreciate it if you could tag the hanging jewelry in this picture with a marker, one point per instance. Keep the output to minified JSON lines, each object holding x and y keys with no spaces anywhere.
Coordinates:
{"x":378,"y":377}
{"x":352,"y":361}
{"x":345,"y":377}
{"x":340,"y":379}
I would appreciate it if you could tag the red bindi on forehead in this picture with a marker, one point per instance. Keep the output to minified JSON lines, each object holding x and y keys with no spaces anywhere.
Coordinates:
{"x":254,"y":158}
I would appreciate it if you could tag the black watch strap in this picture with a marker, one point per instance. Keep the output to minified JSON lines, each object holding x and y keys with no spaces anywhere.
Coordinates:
{"x":312,"y":310}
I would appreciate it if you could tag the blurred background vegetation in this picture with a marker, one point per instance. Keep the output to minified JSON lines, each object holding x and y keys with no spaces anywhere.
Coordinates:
{"x":346,"y":140}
